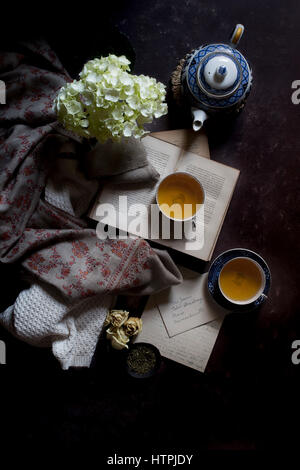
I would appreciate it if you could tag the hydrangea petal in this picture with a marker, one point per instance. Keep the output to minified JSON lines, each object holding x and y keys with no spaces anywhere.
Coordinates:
{"x":109,"y":102}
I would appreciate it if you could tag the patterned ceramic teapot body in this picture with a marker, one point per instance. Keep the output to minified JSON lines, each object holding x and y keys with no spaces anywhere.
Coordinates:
{"x":216,"y":78}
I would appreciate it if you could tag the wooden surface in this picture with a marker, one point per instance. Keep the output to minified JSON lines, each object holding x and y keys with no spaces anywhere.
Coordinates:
{"x":248,"y":399}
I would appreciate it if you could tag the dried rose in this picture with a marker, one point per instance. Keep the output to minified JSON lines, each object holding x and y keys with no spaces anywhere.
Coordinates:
{"x":133,"y":326}
{"x":116,"y":318}
{"x":118,"y":338}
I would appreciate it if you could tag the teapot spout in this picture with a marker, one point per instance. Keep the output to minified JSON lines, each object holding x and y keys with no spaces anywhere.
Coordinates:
{"x":199,"y":117}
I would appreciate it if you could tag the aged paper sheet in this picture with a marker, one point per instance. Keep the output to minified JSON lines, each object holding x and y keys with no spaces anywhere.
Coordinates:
{"x":187,"y":305}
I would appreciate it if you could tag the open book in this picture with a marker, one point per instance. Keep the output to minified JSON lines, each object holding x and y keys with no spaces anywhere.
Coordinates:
{"x":217,"y":180}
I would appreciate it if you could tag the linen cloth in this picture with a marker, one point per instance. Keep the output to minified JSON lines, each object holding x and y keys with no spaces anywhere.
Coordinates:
{"x":44,"y":194}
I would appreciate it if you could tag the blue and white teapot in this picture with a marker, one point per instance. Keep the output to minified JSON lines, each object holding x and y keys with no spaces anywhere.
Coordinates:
{"x":216,"y":78}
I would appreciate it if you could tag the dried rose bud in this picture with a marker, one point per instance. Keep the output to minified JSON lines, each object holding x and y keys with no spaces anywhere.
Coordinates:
{"x":133,"y":326}
{"x":116,"y":318}
{"x":118,"y":338}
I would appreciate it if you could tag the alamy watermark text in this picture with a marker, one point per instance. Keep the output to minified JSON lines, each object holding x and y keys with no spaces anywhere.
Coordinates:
{"x":2,"y":352}
{"x":2,"y":92}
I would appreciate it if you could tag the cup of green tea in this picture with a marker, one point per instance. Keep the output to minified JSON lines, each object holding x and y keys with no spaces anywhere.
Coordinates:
{"x":180,"y":196}
{"x":242,"y":280}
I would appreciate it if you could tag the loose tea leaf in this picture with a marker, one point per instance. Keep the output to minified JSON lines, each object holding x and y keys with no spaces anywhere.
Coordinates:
{"x":141,"y":360}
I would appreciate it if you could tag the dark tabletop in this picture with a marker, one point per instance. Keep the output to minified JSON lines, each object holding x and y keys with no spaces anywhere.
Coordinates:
{"x":248,"y":398}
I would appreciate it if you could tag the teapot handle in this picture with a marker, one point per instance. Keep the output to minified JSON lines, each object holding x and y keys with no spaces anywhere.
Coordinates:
{"x":236,"y":34}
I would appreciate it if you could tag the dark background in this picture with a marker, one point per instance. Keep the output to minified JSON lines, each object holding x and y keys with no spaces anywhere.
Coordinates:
{"x":248,"y":398}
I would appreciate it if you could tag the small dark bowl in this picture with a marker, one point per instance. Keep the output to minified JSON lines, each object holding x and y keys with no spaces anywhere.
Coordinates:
{"x":152,"y":371}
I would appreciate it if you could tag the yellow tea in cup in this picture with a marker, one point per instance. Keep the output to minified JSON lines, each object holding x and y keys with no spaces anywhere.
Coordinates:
{"x":179,"y":196}
{"x":241,"y":280}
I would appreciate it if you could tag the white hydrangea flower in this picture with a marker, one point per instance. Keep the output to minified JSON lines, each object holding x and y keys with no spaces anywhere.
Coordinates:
{"x":107,"y":102}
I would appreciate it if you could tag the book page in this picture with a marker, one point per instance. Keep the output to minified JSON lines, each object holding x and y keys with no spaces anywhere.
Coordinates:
{"x":218,"y":182}
{"x":188,"y":305}
{"x":192,"y":348}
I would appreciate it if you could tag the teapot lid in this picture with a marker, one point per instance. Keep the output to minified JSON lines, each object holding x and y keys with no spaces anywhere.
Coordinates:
{"x":218,"y":76}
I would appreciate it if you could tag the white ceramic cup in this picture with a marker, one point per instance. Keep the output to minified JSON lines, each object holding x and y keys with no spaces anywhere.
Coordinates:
{"x":259,"y":291}
{"x":171,"y":176}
